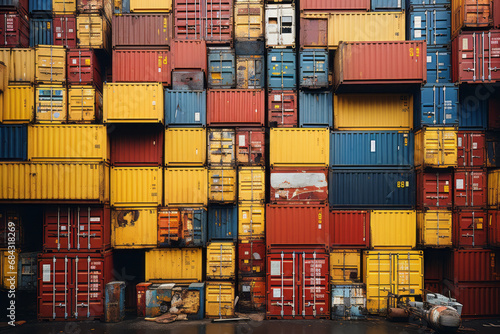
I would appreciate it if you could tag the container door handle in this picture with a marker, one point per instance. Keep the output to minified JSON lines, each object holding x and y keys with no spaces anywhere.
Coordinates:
{"x":69,"y":229}
{"x":282,"y":291}
{"x":78,"y":229}
{"x":444,"y":105}
{"x":435,"y":27}
{"x":88,"y":287}
{"x":65,"y":287}
{"x":314,"y":285}
{"x":294,"y":287}
{"x":437,"y":232}
{"x":434,"y":103}
{"x":303,"y":284}
{"x":483,"y":51}
{"x":473,"y":229}
{"x":5,"y":28}
{"x":54,"y":287}
{"x":475,"y":57}
{"x":220,"y":261}
{"x":466,"y":188}
{"x":437,"y":67}
{"x":88,"y":226}
{"x":426,"y":28}
{"x":220,"y":300}
{"x":76,"y":286}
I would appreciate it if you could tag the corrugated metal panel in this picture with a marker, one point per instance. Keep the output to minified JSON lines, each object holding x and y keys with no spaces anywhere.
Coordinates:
{"x":472,"y":112}
{"x":250,"y":72}
{"x":185,"y":227}
{"x":65,"y":31}
{"x":223,"y":222}
{"x":133,"y":102}
{"x":470,"y":228}
{"x":137,"y":145}
{"x":186,"y":187}
{"x":280,"y":25}
{"x":469,"y":189}
{"x":221,"y":147}
{"x":219,"y":299}
{"x":96,"y":6}
{"x":85,"y":104}
{"x":345,"y":266}
{"x":141,"y":30}
{"x":375,"y":188}
{"x":373,"y":112}
{"x":13,"y":140}
{"x":370,"y":148}
{"x":41,"y":31}
{"x":299,"y":185}
{"x":22,"y":65}
{"x":63,"y":6}
{"x":236,"y":107}
{"x":251,"y":184}
{"x":430,"y":24}
{"x":331,"y":5}
{"x":250,"y":146}
{"x":349,"y":229}
{"x":479,"y":300}
{"x":248,"y":20}
{"x":313,"y":32}
{"x":50,"y":104}
{"x":218,"y":20}
{"x":282,"y":109}
{"x":84,"y":68}
{"x":395,"y":229}
{"x":93,"y":31}
{"x":494,"y":228}
{"x":492,"y":150}
{"x":437,"y":105}
{"x":434,"y":189}
{"x":185,"y":108}
{"x":188,"y":19}
{"x":19,"y":5}
{"x":150,"y":6}
{"x":55,"y":181}
{"x":15,"y":31}
{"x":494,"y":189}
{"x":40,"y":6}
{"x":434,"y":228}
{"x":251,"y":221}
{"x":251,"y":257}
{"x":221,"y":260}
{"x":141,"y":66}
{"x":472,"y":266}
{"x":190,"y":55}
{"x":185,"y":147}
{"x":436,"y":147}
{"x":438,"y":66}
{"x":221,"y":67}
{"x":174,"y":265}
{"x":381,"y":5}
{"x":133,"y":227}
{"x":314,"y":68}
{"x":281,"y":69}
{"x":299,"y":147}
{"x":50,"y":64}
{"x":471,"y":14}
{"x":222,"y":185}
{"x":315,"y":109}
{"x":136,"y":186}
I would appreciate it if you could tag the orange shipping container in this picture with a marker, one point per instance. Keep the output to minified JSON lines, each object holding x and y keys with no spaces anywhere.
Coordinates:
{"x":471,"y":14}
{"x":190,"y":55}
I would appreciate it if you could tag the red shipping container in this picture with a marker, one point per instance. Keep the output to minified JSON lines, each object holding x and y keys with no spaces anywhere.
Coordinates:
{"x":188,"y":19}
{"x":433,"y":286}
{"x":313,"y":32}
{"x":137,"y":145}
{"x":469,"y":14}
{"x":76,"y":229}
{"x":189,"y":55}
{"x":472,"y":266}
{"x":250,"y":146}
{"x":494,"y":110}
{"x":297,"y":225}
{"x":14,"y":30}
{"x":494,"y":228}
{"x":235,"y":107}
{"x":471,"y":149}
{"x":299,"y":185}
{"x":21,"y":6}
{"x":144,"y":30}
{"x":496,"y":14}
{"x":282,"y":109}
{"x":7,"y":218}
{"x":141,"y":289}
{"x":297,"y":284}
{"x":350,"y":229}
{"x":142,"y":66}
{"x":251,"y":257}
{"x":84,"y":68}
{"x":334,"y":5}
{"x":403,"y":62}
{"x":470,"y":229}
{"x":470,"y":190}
{"x":475,"y":55}
{"x":252,"y":293}
{"x":434,"y":189}
{"x":64,"y":28}
{"x":479,"y":300}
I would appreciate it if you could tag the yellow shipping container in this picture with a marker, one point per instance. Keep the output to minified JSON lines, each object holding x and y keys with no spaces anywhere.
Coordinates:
{"x":251,"y":221}
{"x":85,"y":104}
{"x":373,"y":112}
{"x":136,"y":186}
{"x":133,"y":228}
{"x":186,"y":187}
{"x":345,"y":266}
{"x":150,"y":6}
{"x":219,"y":299}
{"x":9,"y":260}
{"x":221,"y":260}
{"x":222,"y":184}
{"x":393,"y":229}
{"x":299,"y":147}
{"x":50,"y":64}
{"x":93,"y":32}
{"x":64,"y":7}
{"x":50,"y":104}
{"x":4,"y":74}
{"x":436,"y":147}
{"x":54,"y":181}
{"x":133,"y":102}
{"x":221,"y":147}
{"x":68,"y":142}
{"x":18,"y":104}
{"x":174,"y":265}
{"x":249,"y":20}
{"x":397,"y":272}
{"x":494,"y":189}
{"x":20,"y":63}
{"x":434,"y":228}
{"x":185,"y":147}
{"x":251,"y":184}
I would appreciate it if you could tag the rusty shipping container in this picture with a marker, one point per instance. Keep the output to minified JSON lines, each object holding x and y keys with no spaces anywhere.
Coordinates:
{"x":471,"y":149}
{"x":14,"y":30}
{"x":466,"y":14}
{"x":470,"y":188}
{"x":479,"y":299}
{"x":434,"y":189}
{"x":250,"y":146}
{"x":251,"y":257}
{"x":299,"y":185}
{"x":132,"y":228}
{"x":140,"y":31}
{"x":142,"y":66}
{"x":189,"y":54}
{"x":64,"y":30}
{"x":235,"y":107}
{"x":282,"y":109}
{"x":494,"y":228}
{"x":248,"y":21}
{"x":334,"y":5}
{"x":95,"y":6}
{"x":137,"y":145}
{"x":349,"y":229}
{"x":221,"y":147}
{"x":252,"y":293}
{"x":84,"y":68}
{"x":472,"y":266}
{"x":470,"y":228}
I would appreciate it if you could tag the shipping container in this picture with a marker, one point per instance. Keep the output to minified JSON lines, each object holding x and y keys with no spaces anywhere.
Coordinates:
{"x":494,"y":228}
{"x":315,"y":109}
{"x":144,"y":30}
{"x":68,"y":143}
{"x":182,"y":227}
{"x":297,"y":225}
{"x":185,"y":147}
{"x":222,"y":222}
{"x":492,"y":149}
{"x":334,"y":5}
{"x":64,"y":6}
{"x":297,"y":284}
{"x":474,"y":57}
{"x":400,"y":63}
{"x":251,"y":222}
{"x":11,"y":221}
{"x":429,"y":24}
{"x":219,"y":299}
{"x":41,"y":31}
{"x":236,"y":107}
{"x":222,"y":185}
{"x":410,"y":4}
{"x":249,"y":48}
{"x":438,"y":65}
{"x":218,"y":21}
{"x":345,"y":266}
{"x":349,"y":229}
{"x":174,"y":265}
{"x":471,"y":14}
{"x":50,"y":64}
{"x":9,"y":260}
{"x":189,"y":19}
{"x":188,"y":54}
{"x":313,"y":32}
{"x":470,"y":228}
{"x":348,"y":302}
{"x":27,"y":271}
{"x":437,"y":105}
{"x":50,"y":104}
{"x":371,"y":148}
{"x":372,"y":188}
{"x":384,"y":272}
{"x":186,"y":187}
{"x":281,"y":68}
{"x":250,"y":146}
{"x":251,"y":257}
{"x":314,"y":69}
{"x":388,"y":5}
{"x":472,"y":266}
{"x":64,"y":31}
{"x":474,"y":108}
{"x":373,"y":112}
{"x":299,"y":147}
{"x":436,"y":147}
{"x":142,"y":66}
{"x":190,"y":80}
{"x":494,"y":189}
{"x":133,"y":228}
{"x":479,"y":299}
{"x":298,"y":185}
{"x":96,"y":6}
{"x":20,"y":63}
{"x":282,"y":109}
{"x":251,"y":185}
{"x":14,"y":30}
{"x":252,"y":294}
{"x":471,"y":149}
{"x":221,"y":147}
{"x":470,"y":189}
{"x":280,"y":25}
{"x":150,"y":6}
{"x":136,"y":186}
{"x":248,"y":20}
{"x":85,"y":104}
{"x":221,"y":67}
{"x":40,"y":6}
{"x":84,"y":68}
{"x":133,"y":102}
{"x":250,"y":71}
{"x":185,"y":108}
{"x":434,"y":189}
{"x":13,"y":140}
{"x":136,"y":145}
{"x":221,"y":261}
{"x":20,"y":6}
{"x":393,"y":229}
{"x":434,"y":228}
{"x":93,"y":32}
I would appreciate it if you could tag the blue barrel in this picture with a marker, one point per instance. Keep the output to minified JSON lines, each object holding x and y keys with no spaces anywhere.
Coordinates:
{"x":281,"y":69}
{"x":114,"y":303}
{"x":474,"y":107}
{"x":40,"y":31}
{"x":13,"y":142}
{"x":436,"y":105}
{"x":221,"y":68}
{"x":313,"y":68}
{"x":388,"y":5}
{"x":316,"y":109}
{"x":438,"y":66}
{"x":430,"y":24}
{"x":185,"y":108}
{"x":222,"y":222}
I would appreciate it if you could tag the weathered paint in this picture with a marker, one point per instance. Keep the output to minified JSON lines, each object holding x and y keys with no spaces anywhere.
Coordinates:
{"x":282,"y":109}
{"x":221,"y":147}
{"x":280,"y":25}
{"x":251,"y":257}
{"x":132,"y":228}
{"x":250,"y":146}
{"x":222,"y":185}
{"x":251,"y":221}
{"x":182,"y":227}
{"x":299,"y":185}
{"x":114,"y":301}
{"x":219,"y":299}
{"x":252,"y":293}
{"x":251,"y":185}
{"x":222,"y":222}
{"x":221,"y":260}
{"x":345,"y":266}
{"x":436,"y":147}
{"x":348,"y":302}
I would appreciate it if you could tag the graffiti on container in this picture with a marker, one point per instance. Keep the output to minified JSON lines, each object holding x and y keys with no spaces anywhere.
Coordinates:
{"x":127,"y":217}
{"x":296,"y":185}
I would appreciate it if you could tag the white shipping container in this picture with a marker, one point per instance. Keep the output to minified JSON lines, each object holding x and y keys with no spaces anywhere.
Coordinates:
{"x":280,"y":25}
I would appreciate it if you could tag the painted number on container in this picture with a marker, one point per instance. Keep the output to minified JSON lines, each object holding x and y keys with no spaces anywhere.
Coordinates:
{"x":415,"y":52}
{"x":403,"y":184}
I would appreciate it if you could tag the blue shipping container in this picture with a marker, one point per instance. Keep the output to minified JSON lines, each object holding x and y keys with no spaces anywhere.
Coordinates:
{"x":13,"y":142}
{"x":348,"y":302}
{"x":40,"y":6}
{"x":281,"y":69}
{"x":436,"y":105}
{"x":372,"y":188}
{"x":313,"y":68}
{"x":198,"y":231}
{"x":427,"y":3}
{"x":223,"y":223}
{"x":185,"y":108}
{"x":316,"y":109}
{"x":371,"y":148}
{"x":114,"y":301}
{"x":438,"y":66}
{"x":432,"y":25}
{"x":385,"y":5}
{"x":473,"y":108}
{"x":40,"y":31}
{"x":27,"y":269}
{"x":221,"y":68}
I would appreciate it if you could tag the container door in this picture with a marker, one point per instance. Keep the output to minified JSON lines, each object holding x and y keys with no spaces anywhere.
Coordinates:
{"x":54,"y":300}
{"x":470,"y":229}
{"x":188,"y":19}
{"x":168,"y":227}
{"x":406,"y":275}
{"x":494,"y":228}
{"x":218,"y":18}
{"x":250,"y":147}
{"x":314,"y":69}
{"x":221,"y":261}
{"x":313,"y":32}
{"x":88,"y":290}
{"x":282,"y":294}
{"x":471,"y":149}
{"x":222,"y":69}
{"x":252,"y":257}
{"x":222,"y":185}
{"x":438,"y":67}
{"x":440,"y":105}
{"x":313,"y":286}
{"x":470,"y":189}
{"x":282,"y":109}
{"x":89,"y":224}
{"x":223,"y":223}
{"x":432,"y":26}
{"x":65,"y":32}
{"x":251,"y":221}
{"x":221,"y":148}
{"x":437,"y":228}
{"x":477,"y":13}
{"x":281,"y":71}
{"x":194,"y":228}
{"x":480,"y":57}
{"x":58,"y":229}
{"x":436,"y":189}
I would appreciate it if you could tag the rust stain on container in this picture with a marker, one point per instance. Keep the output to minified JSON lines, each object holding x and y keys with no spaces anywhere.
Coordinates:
{"x":153,"y":30}
{"x":282,"y":109}
{"x":299,"y":185}
{"x":250,"y":146}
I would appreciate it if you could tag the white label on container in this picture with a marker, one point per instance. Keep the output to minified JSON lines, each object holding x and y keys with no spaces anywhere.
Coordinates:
{"x":86,"y":26}
{"x":276,"y":293}
{"x":159,"y":69}
{"x":70,"y":30}
{"x":429,"y":59}
{"x":276,"y":195}
{"x":74,"y":61}
{"x":46,"y":273}
{"x":95,"y":219}
{"x":417,"y":22}
{"x":82,"y":227}
{"x":275,"y":268}
{"x":241,"y":140}
{"x":460,"y":184}
{"x":63,"y":228}
{"x":465,"y":44}
{"x":59,"y":35}
{"x":418,"y":34}
{"x":196,"y":116}
{"x":399,"y":3}
{"x":474,"y":146}
{"x":244,"y":215}
{"x":372,"y":145}
{"x":273,"y":58}
{"x":277,"y":97}
{"x":448,"y":116}
{"x":459,"y":144}
{"x":246,"y":288}
{"x":464,"y":56}
{"x":154,"y":103}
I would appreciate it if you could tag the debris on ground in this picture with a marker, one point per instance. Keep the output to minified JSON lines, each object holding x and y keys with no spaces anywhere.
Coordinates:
{"x":251,"y":316}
